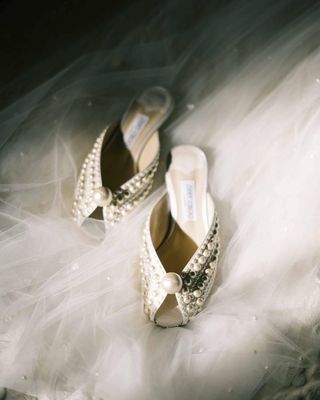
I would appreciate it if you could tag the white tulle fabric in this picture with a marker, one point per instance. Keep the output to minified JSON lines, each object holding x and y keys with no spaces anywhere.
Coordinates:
{"x":72,"y":325}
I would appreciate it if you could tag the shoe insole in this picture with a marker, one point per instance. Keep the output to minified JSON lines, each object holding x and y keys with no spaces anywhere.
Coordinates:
{"x":114,"y":154}
{"x":143,"y":117}
{"x":117,"y":163}
{"x":134,"y":144}
{"x":186,"y":181}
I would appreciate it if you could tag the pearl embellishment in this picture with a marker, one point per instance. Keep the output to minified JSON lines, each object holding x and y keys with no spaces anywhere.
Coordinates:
{"x":102,"y":196}
{"x":172,"y":283}
{"x":90,"y":194}
{"x":191,"y":288}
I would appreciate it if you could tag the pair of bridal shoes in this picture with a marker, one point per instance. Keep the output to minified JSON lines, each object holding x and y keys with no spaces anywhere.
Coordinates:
{"x":180,"y":244}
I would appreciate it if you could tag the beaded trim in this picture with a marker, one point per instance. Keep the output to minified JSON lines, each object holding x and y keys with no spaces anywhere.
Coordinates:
{"x":197,"y":276}
{"x":124,"y":199}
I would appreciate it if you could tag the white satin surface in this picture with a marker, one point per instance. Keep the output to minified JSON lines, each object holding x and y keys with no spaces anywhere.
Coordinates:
{"x":247,"y":92}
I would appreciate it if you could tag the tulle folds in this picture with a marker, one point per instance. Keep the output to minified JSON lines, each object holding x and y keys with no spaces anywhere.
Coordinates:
{"x":245,"y":80}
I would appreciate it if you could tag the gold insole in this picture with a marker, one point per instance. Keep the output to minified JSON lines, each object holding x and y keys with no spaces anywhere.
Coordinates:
{"x":117,"y":164}
{"x":114,"y":154}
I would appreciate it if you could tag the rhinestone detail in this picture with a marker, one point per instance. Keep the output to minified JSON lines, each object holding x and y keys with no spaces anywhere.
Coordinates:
{"x":198,"y":276}
{"x":124,"y":199}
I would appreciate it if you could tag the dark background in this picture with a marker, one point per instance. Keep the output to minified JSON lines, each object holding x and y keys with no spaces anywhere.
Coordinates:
{"x":37,"y":30}
{"x":57,"y":32}
{"x":33,"y":30}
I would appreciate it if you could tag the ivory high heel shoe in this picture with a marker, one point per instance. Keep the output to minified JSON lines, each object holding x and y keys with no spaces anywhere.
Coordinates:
{"x":118,"y":172}
{"x":181,"y":243}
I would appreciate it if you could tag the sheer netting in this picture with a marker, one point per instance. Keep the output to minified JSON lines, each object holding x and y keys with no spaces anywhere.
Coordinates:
{"x":245,"y":77}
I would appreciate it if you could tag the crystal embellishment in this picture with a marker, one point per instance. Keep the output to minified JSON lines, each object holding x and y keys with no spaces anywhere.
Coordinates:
{"x":197,"y":276}
{"x":90,"y":194}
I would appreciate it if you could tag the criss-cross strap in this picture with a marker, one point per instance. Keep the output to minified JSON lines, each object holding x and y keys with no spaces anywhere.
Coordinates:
{"x":91,"y":194}
{"x":192,"y":287}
